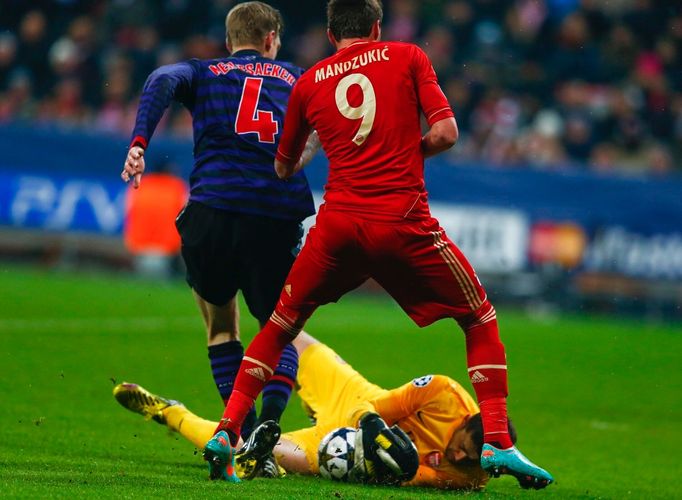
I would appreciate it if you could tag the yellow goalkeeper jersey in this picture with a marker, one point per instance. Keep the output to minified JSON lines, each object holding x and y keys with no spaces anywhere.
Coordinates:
{"x":429,"y":409}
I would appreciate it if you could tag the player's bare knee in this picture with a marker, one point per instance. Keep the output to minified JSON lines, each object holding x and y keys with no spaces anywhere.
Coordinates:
{"x":222,"y":322}
{"x":221,"y":327}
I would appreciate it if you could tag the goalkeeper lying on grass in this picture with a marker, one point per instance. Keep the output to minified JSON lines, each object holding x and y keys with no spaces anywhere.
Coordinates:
{"x":437,"y":414}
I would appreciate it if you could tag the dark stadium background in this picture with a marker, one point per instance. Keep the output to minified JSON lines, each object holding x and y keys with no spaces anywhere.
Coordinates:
{"x":547,"y":83}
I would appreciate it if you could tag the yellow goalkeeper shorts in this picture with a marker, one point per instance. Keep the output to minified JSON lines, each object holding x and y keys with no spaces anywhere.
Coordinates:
{"x":332,"y":389}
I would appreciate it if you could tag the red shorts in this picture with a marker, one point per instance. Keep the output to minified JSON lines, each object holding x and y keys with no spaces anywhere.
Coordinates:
{"x":413,"y":260}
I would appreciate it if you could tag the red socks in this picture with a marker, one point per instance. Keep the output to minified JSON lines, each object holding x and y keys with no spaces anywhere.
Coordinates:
{"x":494,"y":416}
{"x":260,"y":359}
{"x":487,"y":366}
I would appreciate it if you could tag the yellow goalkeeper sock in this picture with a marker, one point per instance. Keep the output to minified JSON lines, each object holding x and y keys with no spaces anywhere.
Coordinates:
{"x":191,"y":427}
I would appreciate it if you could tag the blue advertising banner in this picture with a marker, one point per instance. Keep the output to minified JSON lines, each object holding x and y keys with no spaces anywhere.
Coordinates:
{"x":647,"y":205}
{"x":505,"y":219}
{"x":58,"y":202}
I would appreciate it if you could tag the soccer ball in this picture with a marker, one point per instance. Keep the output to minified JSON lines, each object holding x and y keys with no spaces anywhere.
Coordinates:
{"x":336,"y":454}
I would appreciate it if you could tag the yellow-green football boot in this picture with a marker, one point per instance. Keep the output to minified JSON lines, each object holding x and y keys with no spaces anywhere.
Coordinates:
{"x":139,"y":400}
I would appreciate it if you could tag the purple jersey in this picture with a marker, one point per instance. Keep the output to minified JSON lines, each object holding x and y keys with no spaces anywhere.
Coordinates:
{"x":238,"y":106}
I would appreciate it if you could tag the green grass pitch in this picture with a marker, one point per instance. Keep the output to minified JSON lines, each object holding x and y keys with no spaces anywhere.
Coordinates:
{"x":597,"y":401}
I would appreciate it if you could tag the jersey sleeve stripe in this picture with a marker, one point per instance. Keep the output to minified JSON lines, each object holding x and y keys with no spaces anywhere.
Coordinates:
{"x":279,"y":153}
{"x":437,"y":111}
{"x":138,"y":140}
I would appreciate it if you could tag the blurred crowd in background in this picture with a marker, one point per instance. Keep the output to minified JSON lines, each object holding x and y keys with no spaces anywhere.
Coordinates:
{"x":551,"y":84}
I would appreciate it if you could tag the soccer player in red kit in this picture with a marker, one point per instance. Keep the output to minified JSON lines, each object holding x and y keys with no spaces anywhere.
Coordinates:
{"x":365,"y":104}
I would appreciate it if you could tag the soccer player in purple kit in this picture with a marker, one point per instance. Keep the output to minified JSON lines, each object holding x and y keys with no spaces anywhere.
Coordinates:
{"x":241,"y":229}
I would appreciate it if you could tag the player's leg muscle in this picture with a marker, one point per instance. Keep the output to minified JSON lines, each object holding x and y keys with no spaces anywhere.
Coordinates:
{"x":222,"y":322}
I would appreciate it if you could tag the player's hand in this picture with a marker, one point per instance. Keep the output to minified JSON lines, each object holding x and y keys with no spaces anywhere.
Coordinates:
{"x":398,"y":454}
{"x":133,"y":168}
{"x":387,"y":455}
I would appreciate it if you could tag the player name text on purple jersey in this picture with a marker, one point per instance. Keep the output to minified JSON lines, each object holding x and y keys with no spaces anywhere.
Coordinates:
{"x":257,"y":69}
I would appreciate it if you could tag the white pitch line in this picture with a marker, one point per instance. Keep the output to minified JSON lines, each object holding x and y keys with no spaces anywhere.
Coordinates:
{"x":98,"y":324}
{"x":608,"y":426}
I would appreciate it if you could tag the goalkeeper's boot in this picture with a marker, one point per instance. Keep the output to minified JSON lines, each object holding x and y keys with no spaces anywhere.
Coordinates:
{"x":511,"y":461}
{"x":220,"y":457}
{"x":251,"y":457}
{"x":139,"y":400}
{"x":271,"y":469}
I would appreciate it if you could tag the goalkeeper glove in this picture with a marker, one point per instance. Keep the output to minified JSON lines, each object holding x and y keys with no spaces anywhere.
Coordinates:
{"x":382,"y":454}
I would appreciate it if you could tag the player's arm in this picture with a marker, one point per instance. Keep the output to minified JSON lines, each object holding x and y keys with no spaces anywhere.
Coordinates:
{"x":388,"y":453}
{"x":443,"y":132}
{"x":296,"y":136}
{"x":312,"y":146}
{"x":403,"y":401}
{"x":167,"y":83}
{"x":441,"y":136}
{"x":382,"y":454}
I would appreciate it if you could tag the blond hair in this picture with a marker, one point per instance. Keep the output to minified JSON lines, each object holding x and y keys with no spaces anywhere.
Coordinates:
{"x":249,"y":23}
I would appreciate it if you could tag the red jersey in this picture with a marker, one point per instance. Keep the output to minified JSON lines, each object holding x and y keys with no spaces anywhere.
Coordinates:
{"x":365,"y":103}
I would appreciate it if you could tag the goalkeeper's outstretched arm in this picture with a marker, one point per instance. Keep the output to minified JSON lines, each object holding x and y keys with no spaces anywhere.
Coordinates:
{"x":383,"y":455}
